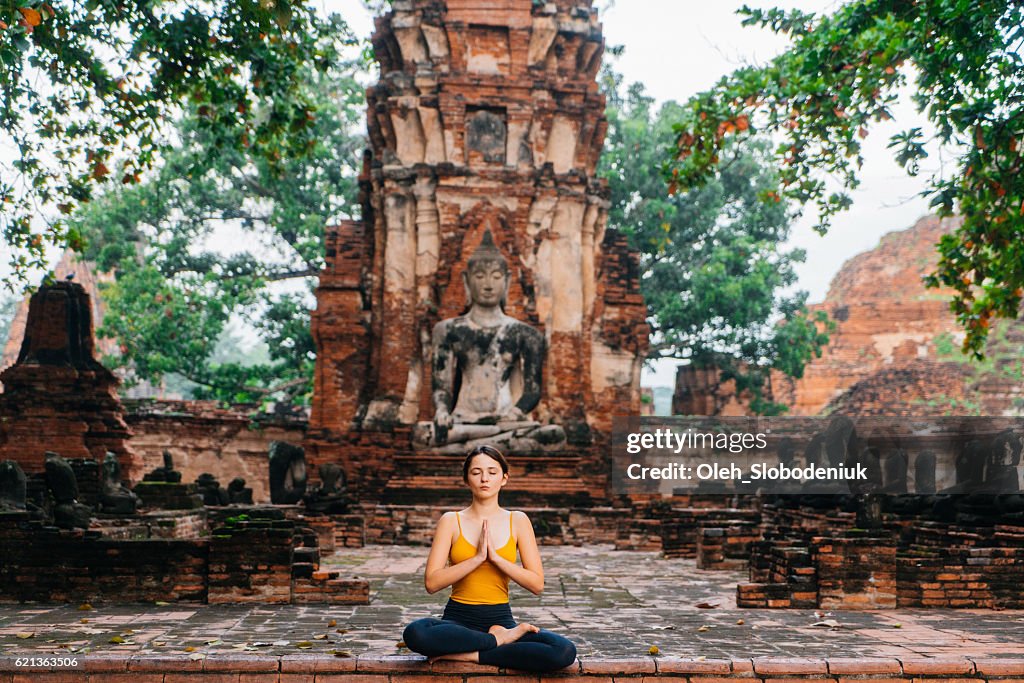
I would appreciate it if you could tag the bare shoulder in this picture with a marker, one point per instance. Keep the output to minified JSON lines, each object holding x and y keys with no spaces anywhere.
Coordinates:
{"x":447,"y":518}
{"x":447,"y":522}
{"x":520,"y":520}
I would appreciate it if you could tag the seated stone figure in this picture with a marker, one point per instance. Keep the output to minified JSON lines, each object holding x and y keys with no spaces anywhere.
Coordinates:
{"x":213,"y":493}
{"x":13,"y":486}
{"x":487,"y":369}
{"x":68,"y":513}
{"x":238,"y":492}
{"x":287,"y":473}
{"x":331,"y":496}
{"x":167,"y":473}
{"x":114,"y":496}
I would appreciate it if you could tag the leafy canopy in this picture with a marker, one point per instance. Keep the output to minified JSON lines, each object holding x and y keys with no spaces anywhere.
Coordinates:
{"x":715,"y":269}
{"x":842,"y":75}
{"x":222,"y":234}
{"x":85,"y":85}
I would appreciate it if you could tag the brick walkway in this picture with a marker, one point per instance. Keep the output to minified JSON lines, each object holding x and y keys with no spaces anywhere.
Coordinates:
{"x":611,"y":604}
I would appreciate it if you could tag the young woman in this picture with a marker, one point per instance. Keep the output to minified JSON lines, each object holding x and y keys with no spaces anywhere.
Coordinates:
{"x":477,"y":624}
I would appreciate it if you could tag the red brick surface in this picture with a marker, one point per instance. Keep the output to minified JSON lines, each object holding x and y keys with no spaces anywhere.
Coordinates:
{"x":938,"y":666}
{"x":859,"y":665}
{"x":772,"y":666}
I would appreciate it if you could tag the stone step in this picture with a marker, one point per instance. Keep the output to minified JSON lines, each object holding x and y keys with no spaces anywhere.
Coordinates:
{"x":586,"y":669}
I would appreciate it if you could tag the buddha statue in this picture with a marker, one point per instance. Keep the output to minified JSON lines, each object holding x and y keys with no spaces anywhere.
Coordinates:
{"x":487,"y":368}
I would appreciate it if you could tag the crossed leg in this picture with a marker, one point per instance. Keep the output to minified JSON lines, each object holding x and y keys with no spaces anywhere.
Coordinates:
{"x":439,"y":639}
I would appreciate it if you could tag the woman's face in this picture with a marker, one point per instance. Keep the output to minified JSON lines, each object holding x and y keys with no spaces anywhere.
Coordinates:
{"x":485,"y":477}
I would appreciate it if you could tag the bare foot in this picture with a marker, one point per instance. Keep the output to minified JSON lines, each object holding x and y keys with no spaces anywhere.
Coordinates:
{"x":504,"y":636}
{"x":457,"y":657}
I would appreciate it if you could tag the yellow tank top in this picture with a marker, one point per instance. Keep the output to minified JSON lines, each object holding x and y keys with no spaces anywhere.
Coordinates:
{"x":485,"y":585}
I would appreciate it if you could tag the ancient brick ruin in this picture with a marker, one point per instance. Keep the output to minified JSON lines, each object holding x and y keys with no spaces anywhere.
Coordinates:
{"x":57,"y":396}
{"x":488,"y":120}
{"x":72,"y":530}
{"x":893,"y":351}
{"x":484,"y":119}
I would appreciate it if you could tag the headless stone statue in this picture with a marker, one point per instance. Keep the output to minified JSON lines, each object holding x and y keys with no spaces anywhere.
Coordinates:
{"x":1001,"y":461}
{"x":213,"y":493}
{"x":238,"y":492}
{"x":13,"y":485}
{"x":487,"y":368}
{"x":287,"y":473}
{"x":114,"y":496}
{"x":331,"y":496}
{"x":68,"y":513}
{"x":166,"y":474}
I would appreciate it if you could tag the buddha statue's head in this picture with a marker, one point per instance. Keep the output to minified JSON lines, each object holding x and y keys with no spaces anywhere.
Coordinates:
{"x":486,"y":275}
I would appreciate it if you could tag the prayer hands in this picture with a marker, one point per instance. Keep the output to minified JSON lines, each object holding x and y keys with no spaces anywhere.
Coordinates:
{"x":483,"y":544}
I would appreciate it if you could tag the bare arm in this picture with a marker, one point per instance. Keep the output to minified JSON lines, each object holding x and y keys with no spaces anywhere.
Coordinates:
{"x":531,"y":575}
{"x":438,"y":574}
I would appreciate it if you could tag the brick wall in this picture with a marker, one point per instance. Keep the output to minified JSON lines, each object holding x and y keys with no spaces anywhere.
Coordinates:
{"x":43,"y":563}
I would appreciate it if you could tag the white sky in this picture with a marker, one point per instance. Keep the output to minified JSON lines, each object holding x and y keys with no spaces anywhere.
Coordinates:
{"x":679,"y":47}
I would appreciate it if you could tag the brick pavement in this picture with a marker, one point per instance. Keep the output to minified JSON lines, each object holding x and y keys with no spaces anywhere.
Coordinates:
{"x":614,"y":605}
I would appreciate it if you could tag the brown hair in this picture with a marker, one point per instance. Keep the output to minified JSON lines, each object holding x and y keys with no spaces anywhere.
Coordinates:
{"x":490,"y":452}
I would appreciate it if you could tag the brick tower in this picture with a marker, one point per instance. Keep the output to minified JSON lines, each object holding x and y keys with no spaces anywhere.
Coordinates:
{"x":487,"y":116}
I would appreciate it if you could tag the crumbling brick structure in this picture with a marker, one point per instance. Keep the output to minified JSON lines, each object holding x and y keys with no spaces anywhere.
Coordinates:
{"x":57,"y":396}
{"x":487,"y":116}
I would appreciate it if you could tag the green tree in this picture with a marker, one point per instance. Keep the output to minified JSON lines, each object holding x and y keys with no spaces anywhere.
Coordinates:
{"x":178,"y":284}
{"x":715,"y":269}
{"x":85,"y":87}
{"x":841,"y":75}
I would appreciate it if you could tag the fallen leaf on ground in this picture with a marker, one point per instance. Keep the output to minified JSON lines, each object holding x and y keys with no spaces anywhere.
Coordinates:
{"x":704,"y":628}
{"x":215,"y":641}
{"x":342,"y":653}
{"x":189,"y":649}
{"x":740,"y":622}
{"x":320,"y":636}
{"x":83,"y":621}
{"x":197,"y":655}
{"x":24,"y":635}
{"x":161,"y":603}
{"x":117,"y":640}
{"x":159,"y":643}
{"x":653,"y":650}
{"x":303,"y":644}
{"x":897,"y":625}
{"x":84,"y":607}
{"x":830,"y":623}
{"x":706,"y":605}
{"x":332,"y":623}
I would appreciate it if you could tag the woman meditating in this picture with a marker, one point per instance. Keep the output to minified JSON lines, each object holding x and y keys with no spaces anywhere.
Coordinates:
{"x":477,"y":624}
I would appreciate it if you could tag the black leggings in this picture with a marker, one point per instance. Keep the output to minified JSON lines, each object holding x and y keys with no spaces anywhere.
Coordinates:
{"x":463,"y":628}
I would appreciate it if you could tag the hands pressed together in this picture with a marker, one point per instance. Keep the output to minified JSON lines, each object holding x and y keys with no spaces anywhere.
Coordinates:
{"x":485,"y":549}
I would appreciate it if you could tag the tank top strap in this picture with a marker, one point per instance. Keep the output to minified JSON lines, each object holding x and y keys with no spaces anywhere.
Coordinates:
{"x":459,"y":521}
